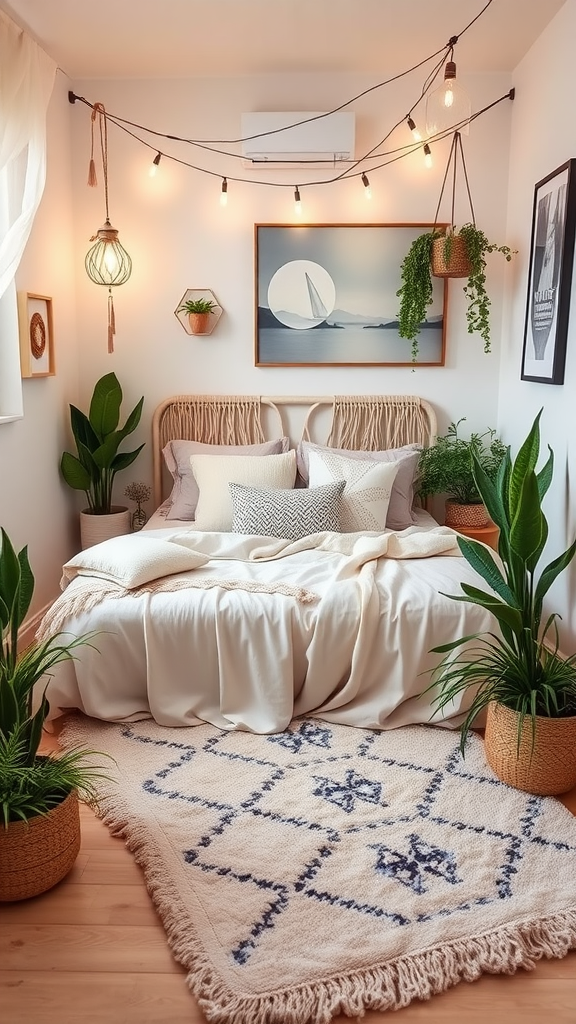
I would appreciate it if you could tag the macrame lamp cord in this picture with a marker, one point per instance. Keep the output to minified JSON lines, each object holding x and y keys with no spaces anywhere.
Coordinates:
{"x":107,"y":262}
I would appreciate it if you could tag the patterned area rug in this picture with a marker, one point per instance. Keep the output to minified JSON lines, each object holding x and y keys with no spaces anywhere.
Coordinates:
{"x":329,"y":870}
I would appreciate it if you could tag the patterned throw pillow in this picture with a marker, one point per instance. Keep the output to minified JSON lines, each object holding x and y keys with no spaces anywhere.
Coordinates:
{"x":184,"y":496}
{"x":367,"y":492}
{"x":400,"y":513}
{"x":214,"y":472}
{"x":290,"y":514}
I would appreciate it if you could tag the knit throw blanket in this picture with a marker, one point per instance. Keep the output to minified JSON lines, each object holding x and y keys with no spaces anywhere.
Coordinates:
{"x":328,"y":870}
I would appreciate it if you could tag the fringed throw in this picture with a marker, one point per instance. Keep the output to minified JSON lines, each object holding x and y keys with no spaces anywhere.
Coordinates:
{"x":329,"y":870}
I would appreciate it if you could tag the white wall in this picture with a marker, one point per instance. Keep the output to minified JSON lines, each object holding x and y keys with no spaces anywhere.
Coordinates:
{"x":35,"y":506}
{"x":179,"y":237}
{"x":543,"y":138}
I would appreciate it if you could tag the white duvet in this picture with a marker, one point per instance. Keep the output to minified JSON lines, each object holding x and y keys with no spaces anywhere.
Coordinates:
{"x":262,"y":630}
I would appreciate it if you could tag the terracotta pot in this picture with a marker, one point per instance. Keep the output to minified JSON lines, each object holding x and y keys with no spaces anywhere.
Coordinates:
{"x":544,"y":769}
{"x":36,"y":854}
{"x":458,"y":265}
{"x":198,"y":322}
{"x":458,"y":515}
{"x":96,"y":528}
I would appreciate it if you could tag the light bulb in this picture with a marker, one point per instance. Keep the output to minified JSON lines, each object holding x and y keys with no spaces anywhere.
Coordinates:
{"x":155,"y":163}
{"x":111,"y":261}
{"x":416,"y":134}
{"x":224,"y":193}
{"x":427,"y":155}
{"x":297,"y":202}
{"x":449,"y":105}
{"x":367,"y":189}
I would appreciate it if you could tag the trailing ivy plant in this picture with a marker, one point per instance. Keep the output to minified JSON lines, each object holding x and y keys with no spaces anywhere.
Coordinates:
{"x":415,"y":293}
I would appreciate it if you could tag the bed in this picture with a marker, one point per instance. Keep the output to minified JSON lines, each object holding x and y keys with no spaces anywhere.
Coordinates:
{"x":307,"y":582}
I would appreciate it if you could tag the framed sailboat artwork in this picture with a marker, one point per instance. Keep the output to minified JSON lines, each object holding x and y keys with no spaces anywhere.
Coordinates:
{"x":325,"y":295}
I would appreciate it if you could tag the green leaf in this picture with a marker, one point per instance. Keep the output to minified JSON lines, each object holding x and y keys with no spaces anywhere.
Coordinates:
{"x":512,"y":617}
{"x":483,"y":562}
{"x":524,"y":463}
{"x":527,"y":525}
{"x":550,"y":572}
{"x":545,"y":475}
{"x":74,"y":473}
{"x":125,"y":459}
{"x":105,"y":405}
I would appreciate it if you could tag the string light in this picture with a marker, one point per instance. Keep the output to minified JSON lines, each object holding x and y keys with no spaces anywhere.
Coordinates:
{"x":448,"y":104}
{"x":297,"y":202}
{"x":416,"y":134}
{"x":224,"y":193}
{"x":367,"y":189}
{"x":155,"y":164}
{"x":427,"y":155}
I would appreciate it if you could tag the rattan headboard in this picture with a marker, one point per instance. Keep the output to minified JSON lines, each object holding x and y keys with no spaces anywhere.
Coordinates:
{"x":366,"y":422}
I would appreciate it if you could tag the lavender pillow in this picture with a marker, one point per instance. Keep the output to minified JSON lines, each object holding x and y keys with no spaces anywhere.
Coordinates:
{"x":184,"y":496}
{"x":399,"y":515}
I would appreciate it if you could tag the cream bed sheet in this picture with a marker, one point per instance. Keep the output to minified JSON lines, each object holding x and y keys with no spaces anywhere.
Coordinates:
{"x":357,"y":654}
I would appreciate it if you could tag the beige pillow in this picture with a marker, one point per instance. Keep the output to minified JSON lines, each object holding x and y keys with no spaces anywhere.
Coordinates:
{"x":214,"y":472}
{"x":366,"y":494}
{"x":131,"y":561}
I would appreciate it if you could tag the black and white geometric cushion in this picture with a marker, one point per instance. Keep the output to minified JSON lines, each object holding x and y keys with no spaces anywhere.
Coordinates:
{"x":289,"y":514}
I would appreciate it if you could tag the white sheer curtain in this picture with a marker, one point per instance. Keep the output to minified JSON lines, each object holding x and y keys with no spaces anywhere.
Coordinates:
{"x":26,"y":81}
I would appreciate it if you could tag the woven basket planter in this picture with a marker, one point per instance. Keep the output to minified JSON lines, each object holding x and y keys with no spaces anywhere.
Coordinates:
{"x":458,"y":265}
{"x":96,"y":528}
{"x":458,"y":515}
{"x":38,"y":853}
{"x":546,"y":769}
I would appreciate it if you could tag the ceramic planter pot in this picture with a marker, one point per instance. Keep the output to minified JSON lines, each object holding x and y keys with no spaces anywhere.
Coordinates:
{"x":36,"y":854}
{"x":548,"y":767}
{"x":458,"y":515}
{"x":198,"y":322}
{"x":96,"y":528}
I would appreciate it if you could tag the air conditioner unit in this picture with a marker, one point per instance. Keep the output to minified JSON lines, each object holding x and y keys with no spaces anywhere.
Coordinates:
{"x":324,"y":142}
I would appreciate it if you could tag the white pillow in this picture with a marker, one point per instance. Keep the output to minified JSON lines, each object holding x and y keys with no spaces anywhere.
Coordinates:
{"x":214,"y":472}
{"x":131,"y":561}
{"x":366,"y":494}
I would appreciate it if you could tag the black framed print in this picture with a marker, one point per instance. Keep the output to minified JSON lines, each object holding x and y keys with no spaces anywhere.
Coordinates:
{"x":325,"y":295}
{"x":550,"y":276}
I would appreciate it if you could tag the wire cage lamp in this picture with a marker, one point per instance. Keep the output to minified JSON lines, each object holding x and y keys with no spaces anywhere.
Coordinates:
{"x":107,"y":263}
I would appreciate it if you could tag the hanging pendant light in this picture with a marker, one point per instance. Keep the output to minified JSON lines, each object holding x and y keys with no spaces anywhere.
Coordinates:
{"x":449,"y":105}
{"x":107,"y":262}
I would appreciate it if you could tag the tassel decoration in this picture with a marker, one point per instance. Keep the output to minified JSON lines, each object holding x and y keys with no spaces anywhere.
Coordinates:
{"x":111,"y":322}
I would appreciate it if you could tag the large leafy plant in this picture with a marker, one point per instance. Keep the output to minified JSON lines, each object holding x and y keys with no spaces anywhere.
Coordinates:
{"x":30,"y":784}
{"x":98,"y":437}
{"x":518,"y":665}
{"x":446,"y":467}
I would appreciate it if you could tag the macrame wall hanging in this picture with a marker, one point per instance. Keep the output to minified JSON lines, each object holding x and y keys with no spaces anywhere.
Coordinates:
{"x":107,"y":262}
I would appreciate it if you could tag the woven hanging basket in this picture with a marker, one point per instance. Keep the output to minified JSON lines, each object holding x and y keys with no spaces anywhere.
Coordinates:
{"x":547,"y":769}
{"x":38,"y":853}
{"x":458,"y":515}
{"x":458,"y":265}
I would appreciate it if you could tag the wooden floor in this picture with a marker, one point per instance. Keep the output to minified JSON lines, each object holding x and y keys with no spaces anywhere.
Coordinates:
{"x":92,"y":951}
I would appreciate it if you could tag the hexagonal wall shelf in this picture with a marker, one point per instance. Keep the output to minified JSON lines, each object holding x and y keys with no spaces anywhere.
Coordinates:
{"x":213,"y":318}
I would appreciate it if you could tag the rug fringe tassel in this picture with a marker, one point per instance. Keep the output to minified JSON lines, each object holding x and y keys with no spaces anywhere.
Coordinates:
{"x":386,"y":986}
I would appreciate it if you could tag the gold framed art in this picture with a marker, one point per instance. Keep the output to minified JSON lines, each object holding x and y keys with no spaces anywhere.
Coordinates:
{"x":36,"y":330}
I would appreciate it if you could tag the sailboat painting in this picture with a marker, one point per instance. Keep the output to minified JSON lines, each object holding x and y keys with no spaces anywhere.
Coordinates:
{"x":326,"y":296}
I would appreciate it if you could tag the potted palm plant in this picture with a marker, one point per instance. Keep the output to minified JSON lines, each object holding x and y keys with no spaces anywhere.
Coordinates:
{"x":39,"y":816}
{"x":446,"y":253}
{"x":198,"y":311}
{"x":98,"y":437}
{"x":516,"y":673}
{"x":446,"y":467}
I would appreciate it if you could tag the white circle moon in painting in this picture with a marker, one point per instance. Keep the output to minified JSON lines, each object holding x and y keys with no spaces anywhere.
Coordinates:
{"x":301,"y":294}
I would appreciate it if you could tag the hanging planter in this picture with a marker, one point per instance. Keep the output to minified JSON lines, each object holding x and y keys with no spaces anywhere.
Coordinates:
{"x":447,"y":252}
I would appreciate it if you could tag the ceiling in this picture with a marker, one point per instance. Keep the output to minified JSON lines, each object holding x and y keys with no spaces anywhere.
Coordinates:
{"x":199,"y":38}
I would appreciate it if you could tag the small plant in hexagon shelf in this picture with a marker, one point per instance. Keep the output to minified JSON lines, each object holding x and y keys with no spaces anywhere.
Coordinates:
{"x":198,"y":312}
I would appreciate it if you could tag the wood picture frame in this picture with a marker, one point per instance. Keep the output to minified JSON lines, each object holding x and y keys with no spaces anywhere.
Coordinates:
{"x":325,"y":295}
{"x":550,"y":276}
{"x":36,"y":330}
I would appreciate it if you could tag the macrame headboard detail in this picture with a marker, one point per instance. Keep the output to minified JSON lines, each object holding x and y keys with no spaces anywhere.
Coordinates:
{"x":367,"y":422}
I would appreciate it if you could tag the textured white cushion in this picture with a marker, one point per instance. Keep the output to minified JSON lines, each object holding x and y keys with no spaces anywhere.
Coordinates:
{"x":132,"y":561}
{"x":400,"y":513}
{"x":288,"y":514}
{"x":367,"y":492}
{"x":184,"y":496}
{"x":214,"y":472}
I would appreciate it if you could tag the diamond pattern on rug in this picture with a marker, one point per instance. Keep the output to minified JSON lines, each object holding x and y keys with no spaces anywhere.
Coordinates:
{"x":321,"y":868}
